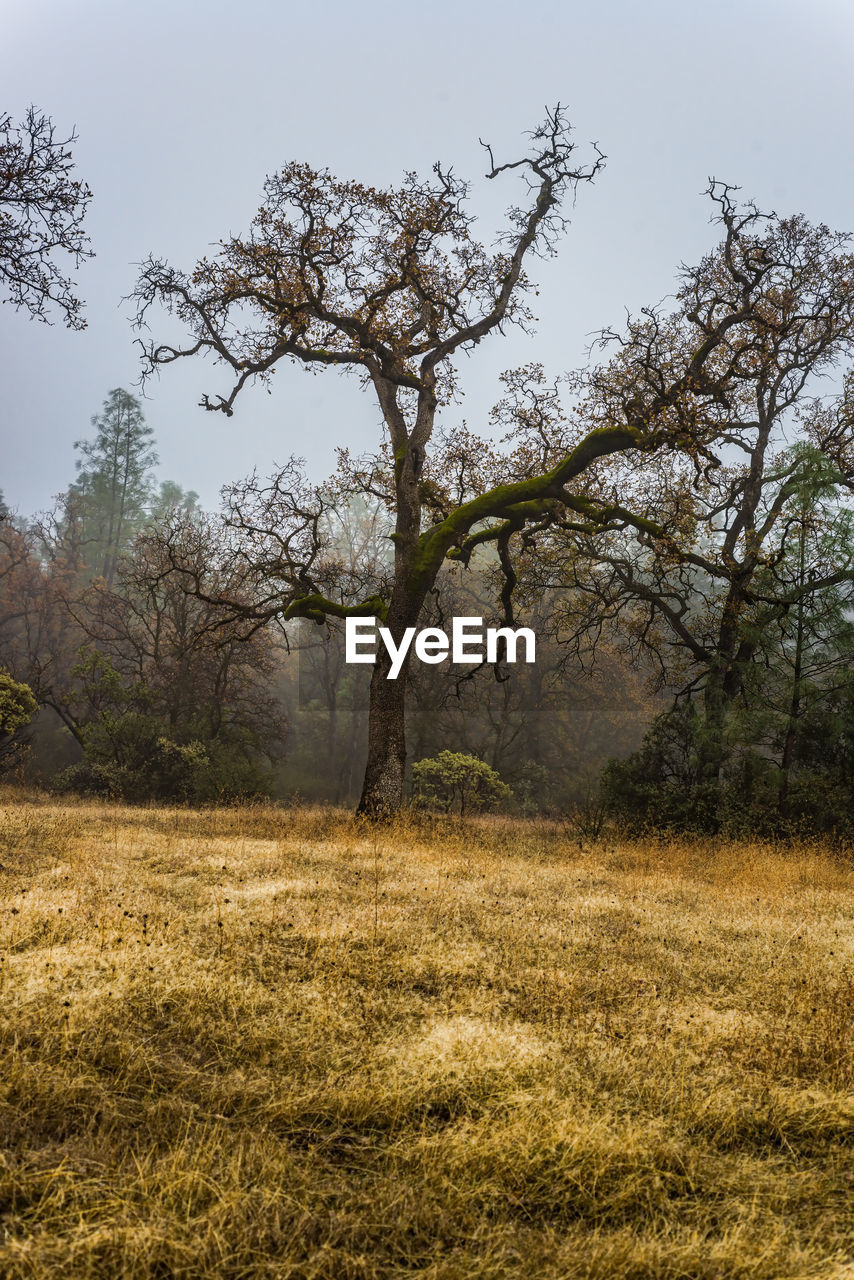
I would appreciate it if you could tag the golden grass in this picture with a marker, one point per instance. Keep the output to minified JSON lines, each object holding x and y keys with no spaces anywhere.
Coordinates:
{"x":265,"y":1043}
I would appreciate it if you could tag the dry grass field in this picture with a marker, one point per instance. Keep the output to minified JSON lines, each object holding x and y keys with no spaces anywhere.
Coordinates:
{"x":264,"y":1043}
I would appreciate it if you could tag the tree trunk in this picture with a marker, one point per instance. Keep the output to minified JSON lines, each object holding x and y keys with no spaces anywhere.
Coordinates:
{"x":382,"y":793}
{"x":711,"y":748}
{"x":722,"y":688}
{"x":383,"y":790}
{"x":797,"y":676}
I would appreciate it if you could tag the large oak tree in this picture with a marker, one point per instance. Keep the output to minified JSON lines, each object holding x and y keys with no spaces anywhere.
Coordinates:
{"x":393,"y":284}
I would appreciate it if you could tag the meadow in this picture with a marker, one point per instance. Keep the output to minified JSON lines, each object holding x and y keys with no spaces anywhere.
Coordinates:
{"x":261,"y":1042}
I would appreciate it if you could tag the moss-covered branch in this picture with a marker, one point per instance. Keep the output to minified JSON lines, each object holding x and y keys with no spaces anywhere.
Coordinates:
{"x":318,"y":608}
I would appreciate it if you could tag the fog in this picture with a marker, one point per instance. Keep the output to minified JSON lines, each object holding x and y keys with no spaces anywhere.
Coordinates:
{"x":181,"y":110}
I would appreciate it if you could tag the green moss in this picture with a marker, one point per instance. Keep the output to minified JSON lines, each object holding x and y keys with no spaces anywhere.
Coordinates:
{"x":319,"y":608}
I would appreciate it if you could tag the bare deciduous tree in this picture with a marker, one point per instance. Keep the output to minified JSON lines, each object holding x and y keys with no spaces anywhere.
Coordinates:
{"x":41,"y":215}
{"x":392,"y":285}
{"x":702,"y":566}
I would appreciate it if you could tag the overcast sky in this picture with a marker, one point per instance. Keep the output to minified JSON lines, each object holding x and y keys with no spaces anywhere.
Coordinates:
{"x":183,"y":108}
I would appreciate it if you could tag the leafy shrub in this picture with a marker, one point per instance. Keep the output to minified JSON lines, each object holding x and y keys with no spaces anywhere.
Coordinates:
{"x":453,"y":778}
{"x":17,"y":707}
{"x":533,"y":788}
{"x":659,"y":787}
{"x":86,"y":778}
{"x":128,"y":757}
{"x":17,"y":704}
{"x":820,"y":803}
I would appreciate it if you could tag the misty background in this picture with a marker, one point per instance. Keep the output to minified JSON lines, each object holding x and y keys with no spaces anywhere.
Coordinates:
{"x":182,"y":110}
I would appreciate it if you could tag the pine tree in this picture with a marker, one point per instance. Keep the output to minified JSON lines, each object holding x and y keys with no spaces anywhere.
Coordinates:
{"x":114,"y":484}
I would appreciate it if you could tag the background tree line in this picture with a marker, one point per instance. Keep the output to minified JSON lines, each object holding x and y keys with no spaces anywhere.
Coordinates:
{"x":147,"y":691}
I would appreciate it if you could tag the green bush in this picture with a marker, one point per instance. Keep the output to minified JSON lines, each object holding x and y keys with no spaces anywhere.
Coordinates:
{"x":453,"y":779}
{"x":18,"y":705}
{"x":128,"y":757}
{"x":659,"y":788}
{"x":86,"y":778}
